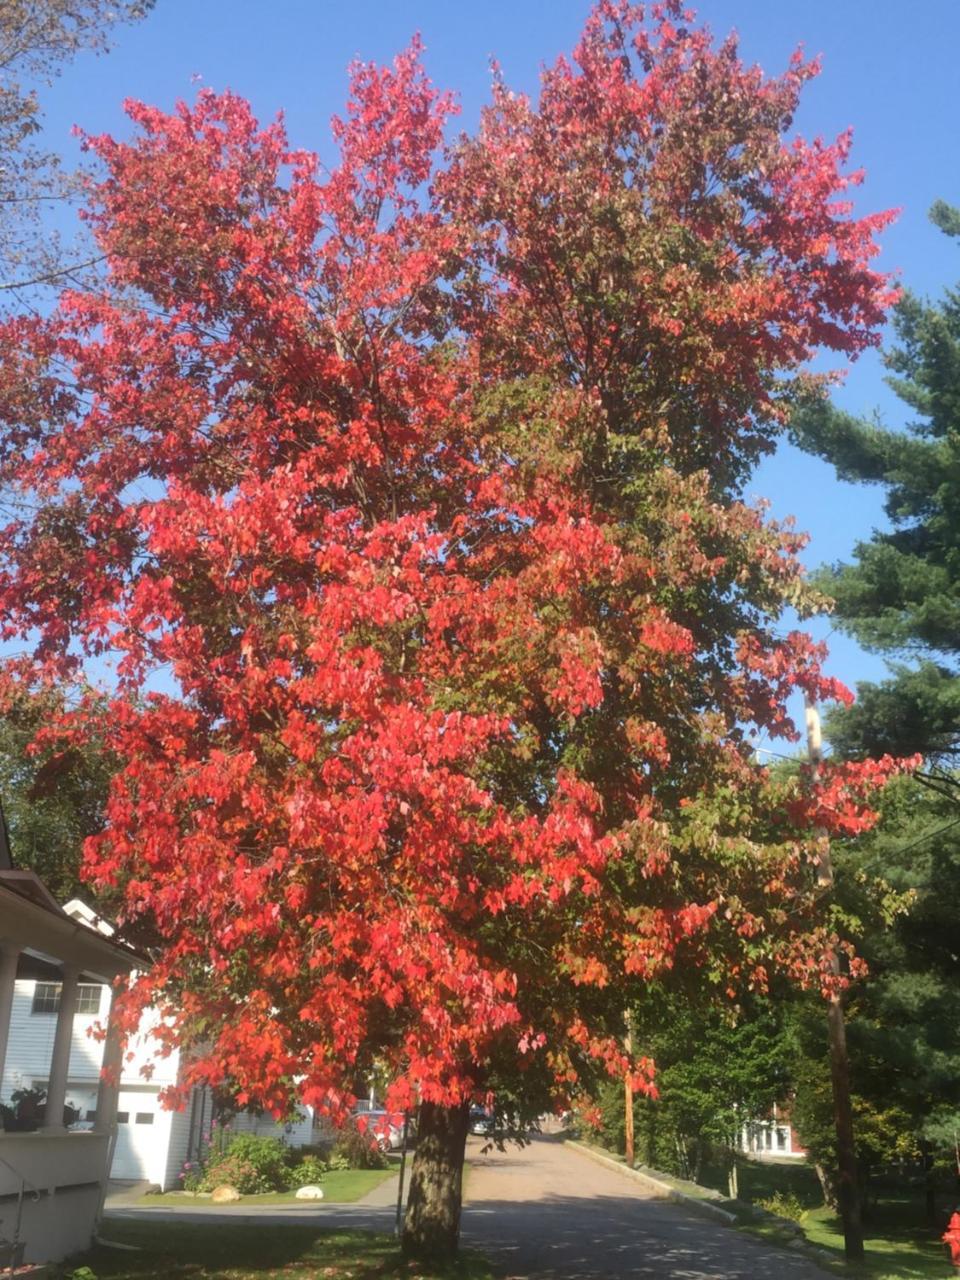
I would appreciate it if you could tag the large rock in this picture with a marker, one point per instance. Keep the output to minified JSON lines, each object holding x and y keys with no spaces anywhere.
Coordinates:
{"x":225,"y":1195}
{"x":310,"y":1192}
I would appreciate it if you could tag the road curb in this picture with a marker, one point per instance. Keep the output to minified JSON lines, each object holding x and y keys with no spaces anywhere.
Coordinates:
{"x":662,"y":1190}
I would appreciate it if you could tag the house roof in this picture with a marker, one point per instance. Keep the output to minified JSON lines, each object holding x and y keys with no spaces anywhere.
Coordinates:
{"x":32,"y":920}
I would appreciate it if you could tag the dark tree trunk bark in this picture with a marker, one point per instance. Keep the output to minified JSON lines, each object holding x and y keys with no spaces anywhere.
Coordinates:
{"x":431,"y":1229}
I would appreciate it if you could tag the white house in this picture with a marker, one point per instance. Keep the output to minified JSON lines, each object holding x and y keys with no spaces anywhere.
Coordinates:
{"x":52,"y":1181}
{"x":152,"y":1143}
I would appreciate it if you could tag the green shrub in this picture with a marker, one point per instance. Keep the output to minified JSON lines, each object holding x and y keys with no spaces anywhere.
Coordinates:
{"x":250,"y":1164}
{"x":307,"y":1173}
{"x":192,"y":1175}
{"x":229,"y":1171}
{"x":784,"y":1204}
{"x":360,"y":1150}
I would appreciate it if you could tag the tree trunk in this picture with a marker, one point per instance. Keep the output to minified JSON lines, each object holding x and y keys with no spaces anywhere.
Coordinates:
{"x":697,"y":1160}
{"x":733,"y":1179}
{"x":431,"y":1229}
{"x":828,"y":1186}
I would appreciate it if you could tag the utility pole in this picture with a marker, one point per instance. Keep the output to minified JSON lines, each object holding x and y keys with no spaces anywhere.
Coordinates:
{"x":837,"y":1034}
{"x":398,"y":1220}
{"x":628,"y":1097}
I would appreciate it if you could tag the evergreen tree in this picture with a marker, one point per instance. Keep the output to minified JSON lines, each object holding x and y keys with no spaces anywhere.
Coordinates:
{"x":901,"y":596}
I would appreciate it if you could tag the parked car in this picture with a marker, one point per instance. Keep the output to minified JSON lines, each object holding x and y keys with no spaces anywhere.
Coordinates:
{"x":385,"y":1127}
{"x":481,"y":1122}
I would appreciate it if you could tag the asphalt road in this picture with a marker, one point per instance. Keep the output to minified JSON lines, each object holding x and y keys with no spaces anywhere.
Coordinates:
{"x":545,"y":1212}
{"x":549,"y":1213}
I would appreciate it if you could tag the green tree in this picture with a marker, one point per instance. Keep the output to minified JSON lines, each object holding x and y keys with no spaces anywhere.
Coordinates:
{"x":52,"y":798}
{"x":719,"y":1065}
{"x":884,"y":1130}
{"x":900,"y":596}
{"x":901,"y":593}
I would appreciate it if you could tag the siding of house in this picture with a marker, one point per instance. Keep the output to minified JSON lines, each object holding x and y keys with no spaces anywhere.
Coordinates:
{"x":181,"y":1146}
{"x":298,"y":1133}
{"x":154,"y":1149}
{"x":31,"y":1047}
{"x":772,"y":1137}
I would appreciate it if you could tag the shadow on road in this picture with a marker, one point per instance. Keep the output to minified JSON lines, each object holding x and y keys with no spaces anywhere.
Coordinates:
{"x":619,"y":1238}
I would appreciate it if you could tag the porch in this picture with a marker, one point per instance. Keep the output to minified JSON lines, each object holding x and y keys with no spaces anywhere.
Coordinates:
{"x":52,"y":1181}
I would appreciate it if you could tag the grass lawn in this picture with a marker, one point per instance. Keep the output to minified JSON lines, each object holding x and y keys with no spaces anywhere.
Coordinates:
{"x":760,"y":1179}
{"x":341,"y":1186}
{"x":900,"y":1245}
{"x":184,"y":1251}
{"x":897,"y":1247}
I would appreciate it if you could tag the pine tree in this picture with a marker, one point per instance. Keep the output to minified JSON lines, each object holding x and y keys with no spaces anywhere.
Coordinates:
{"x":900,"y":596}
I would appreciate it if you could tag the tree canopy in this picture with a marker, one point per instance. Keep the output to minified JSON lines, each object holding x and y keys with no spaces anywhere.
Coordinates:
{"x":406,"y":497}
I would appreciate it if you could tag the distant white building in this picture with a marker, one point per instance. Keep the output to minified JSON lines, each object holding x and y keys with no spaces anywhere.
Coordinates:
{"x":772,"y":1137}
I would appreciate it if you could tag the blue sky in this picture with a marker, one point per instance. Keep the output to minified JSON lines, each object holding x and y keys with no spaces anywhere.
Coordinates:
{"x":889,"y":70}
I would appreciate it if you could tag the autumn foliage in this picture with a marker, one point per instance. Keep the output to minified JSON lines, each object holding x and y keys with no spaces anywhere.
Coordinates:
{"x":400,"y":506}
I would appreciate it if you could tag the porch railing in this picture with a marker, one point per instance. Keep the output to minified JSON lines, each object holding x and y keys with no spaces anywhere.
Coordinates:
{"x":16,"y":1245}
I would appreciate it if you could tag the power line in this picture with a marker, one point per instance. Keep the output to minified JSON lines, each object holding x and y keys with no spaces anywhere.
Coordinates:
{"x":894,"y":853}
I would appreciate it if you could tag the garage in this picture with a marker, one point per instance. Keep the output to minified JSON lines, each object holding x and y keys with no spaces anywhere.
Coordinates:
{"x":141,"y":1136}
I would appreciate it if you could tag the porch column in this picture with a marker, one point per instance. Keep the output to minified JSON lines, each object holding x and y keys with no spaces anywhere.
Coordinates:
{"x":60,"y":1061}
{"x":9,"y":955}
{"x":108,"y":1091}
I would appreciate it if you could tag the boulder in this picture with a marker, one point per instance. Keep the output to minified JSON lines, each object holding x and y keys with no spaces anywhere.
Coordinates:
{"x":225,"y":1195}
{"x":310,"y":1192}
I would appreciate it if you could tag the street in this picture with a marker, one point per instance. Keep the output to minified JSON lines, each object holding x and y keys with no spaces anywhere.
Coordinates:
{"x":549,"y":1212}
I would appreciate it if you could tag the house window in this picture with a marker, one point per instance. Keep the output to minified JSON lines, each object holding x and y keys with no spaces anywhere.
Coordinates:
{"x":88,"y":997}
{"x":144,"y":1117}
{"x":46,"y":997}
{"x":123,"y":1117}
{"x":90,"y":1115}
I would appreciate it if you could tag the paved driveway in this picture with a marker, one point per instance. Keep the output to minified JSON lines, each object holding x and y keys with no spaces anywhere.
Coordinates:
{"x":550,"y":1213}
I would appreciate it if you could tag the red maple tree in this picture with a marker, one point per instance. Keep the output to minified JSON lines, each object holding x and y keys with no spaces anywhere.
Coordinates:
{"x":406,"y":499}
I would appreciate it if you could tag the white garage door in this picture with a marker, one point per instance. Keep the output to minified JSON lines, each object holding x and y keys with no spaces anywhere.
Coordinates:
{"x":137,"y":1135}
